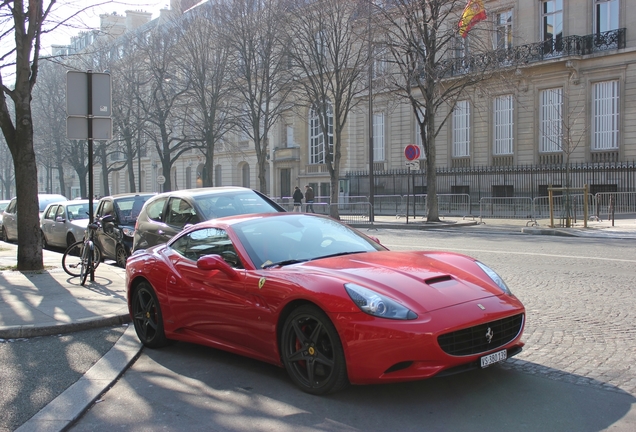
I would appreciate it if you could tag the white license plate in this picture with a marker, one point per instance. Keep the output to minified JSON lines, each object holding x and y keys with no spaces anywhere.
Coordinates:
{"x":494,"y":358}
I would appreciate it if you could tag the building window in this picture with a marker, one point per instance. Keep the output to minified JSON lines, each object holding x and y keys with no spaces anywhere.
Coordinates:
{"x":503,"y":29}
{"x":461,"y":129}
{"x":379,"y":62}
{"x":290,"y":136}
{"x":605,"y":116}
{"x":552,"y":25}
{"x":378,"y":137}
{"x":605,"y":15}
{"x":218,"y":175}
{"x":188,"y":179}
{"x":503,"y":112}
{"x":550,"y":120}
{"x":317,"y":149}
{"x":245,"y":174}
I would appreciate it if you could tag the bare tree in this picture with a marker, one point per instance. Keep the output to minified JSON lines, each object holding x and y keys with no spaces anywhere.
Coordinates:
{"x":431,"y":67}
{"x":204,"y":57}
{"x":163,"y":98}
{"x":263,"y":81}
{"x":7,"y":178}
{"x":49,"y":107}
{"x":128,"y":116}
{"x":328,"y":45}
{"x":21,"y":58}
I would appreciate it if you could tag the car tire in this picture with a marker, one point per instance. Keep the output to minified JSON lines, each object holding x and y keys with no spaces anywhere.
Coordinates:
{"x":44,"y":242}
{"x":121,"y":256}
{"x":147,"y":317}
{"x":5,"y":237}
{"x":312,"y":352}
{"x":70,"y":239}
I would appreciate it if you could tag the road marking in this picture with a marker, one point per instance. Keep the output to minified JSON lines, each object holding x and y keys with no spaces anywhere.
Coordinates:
{"x":402,"y":247}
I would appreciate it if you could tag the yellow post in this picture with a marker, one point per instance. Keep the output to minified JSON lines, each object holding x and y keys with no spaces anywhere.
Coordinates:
{"x":585,"y":213}
{"x":551,"y":208}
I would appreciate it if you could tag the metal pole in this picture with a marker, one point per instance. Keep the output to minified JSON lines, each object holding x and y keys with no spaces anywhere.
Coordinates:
{"x":89,"y":81}
{"x":371,"y":158}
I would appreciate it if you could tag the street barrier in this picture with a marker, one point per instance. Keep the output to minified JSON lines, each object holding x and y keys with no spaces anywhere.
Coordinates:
{"x":506,"y":208}
{"x":620,"y":203}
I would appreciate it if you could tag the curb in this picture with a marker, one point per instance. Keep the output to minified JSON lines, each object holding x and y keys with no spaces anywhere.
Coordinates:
{"x":29,"y":331}
{"x":69,"y":406}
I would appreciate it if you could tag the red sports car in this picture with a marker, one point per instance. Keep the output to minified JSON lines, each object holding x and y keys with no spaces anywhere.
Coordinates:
{"x":326,"y":302}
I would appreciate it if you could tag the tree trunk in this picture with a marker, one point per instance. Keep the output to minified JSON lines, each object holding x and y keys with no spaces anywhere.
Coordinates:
{"x":29,"y":239}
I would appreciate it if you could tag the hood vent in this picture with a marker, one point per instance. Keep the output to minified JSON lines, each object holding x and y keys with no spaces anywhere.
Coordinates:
{"x":438,"y":280}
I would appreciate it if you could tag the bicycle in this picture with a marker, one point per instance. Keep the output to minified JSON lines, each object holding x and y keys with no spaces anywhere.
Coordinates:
{"x":82,"y":257}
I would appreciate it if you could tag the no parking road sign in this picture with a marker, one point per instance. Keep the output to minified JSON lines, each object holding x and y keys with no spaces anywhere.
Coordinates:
{"x":412,"y":152}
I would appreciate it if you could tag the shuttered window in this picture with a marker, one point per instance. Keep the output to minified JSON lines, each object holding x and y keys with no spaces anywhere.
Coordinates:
{"x":378,"y":137}
{"x":551,"y":120}
{"x":605,"y":116}
{"x":503,"y":112}
{"x":461,"y":129}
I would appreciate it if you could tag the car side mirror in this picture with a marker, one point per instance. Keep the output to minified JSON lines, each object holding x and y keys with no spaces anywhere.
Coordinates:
{"x":215,"y":262}
{"x":59,"y":219}
{"x":108,"y":219}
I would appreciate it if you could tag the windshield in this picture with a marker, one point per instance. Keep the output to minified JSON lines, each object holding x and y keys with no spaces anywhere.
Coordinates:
{"x":233,"y":203}
{"x":289,"y":239}
{"x":79,"y":210}
{"x":128,"y":208}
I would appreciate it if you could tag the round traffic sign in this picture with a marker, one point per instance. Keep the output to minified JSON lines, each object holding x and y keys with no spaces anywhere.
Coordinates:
{"x":412,"y":152}
{"x":161,"y":179}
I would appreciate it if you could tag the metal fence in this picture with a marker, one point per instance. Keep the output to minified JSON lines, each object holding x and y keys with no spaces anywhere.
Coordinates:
{"x":529,"y":181}
{"x":356,"y":209}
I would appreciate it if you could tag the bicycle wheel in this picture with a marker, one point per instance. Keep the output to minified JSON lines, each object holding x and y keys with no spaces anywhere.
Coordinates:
{"x":71,"y":260}
{"x":85,"y":263}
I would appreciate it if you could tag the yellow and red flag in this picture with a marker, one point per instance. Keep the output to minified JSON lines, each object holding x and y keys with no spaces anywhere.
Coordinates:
{"x":473,"y":13}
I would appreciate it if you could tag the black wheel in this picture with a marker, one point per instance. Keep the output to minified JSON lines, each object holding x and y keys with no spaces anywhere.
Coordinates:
{"x":312,"y":352}
{"x":5,"y":237}
{"x":147,"y":317}
{"x":70,"y":239}
{"x":71,"y":260}
{"x":85,"y":265}
{"x":44,"y":242}
{"x":121,"y":256}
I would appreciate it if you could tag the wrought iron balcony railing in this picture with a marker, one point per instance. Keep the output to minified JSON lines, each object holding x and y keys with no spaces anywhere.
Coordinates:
{"x":535,"y":52}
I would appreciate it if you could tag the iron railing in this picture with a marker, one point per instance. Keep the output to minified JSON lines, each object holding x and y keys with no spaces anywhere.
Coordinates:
{"x":534,"y":52}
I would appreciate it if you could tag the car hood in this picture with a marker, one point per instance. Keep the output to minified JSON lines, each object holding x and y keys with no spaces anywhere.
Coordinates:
{"x":80,"y":223}
{"x":422,"y":281}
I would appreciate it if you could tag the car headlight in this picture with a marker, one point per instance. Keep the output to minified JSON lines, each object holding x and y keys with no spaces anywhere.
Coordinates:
{"x":495,"y":277}
{"x":377,"y":304}
{"x":130,"y":232}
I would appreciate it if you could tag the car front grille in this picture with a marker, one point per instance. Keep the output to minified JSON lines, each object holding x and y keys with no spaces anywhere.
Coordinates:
{"x":474,"y":340}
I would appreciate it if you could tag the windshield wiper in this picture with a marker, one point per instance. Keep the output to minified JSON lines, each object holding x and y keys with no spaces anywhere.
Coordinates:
{"x":339,"y":254}
{"x":283,"y":263}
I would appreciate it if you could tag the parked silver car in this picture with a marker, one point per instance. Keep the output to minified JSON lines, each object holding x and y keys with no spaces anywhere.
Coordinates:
{"x":10,"y":214}
{"x":64,"y":223}
{"x":3,"y":205}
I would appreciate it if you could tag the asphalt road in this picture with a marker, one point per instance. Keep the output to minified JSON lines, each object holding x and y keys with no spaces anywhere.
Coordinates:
{"x":575,"y":374}
{"x":35,"y":371}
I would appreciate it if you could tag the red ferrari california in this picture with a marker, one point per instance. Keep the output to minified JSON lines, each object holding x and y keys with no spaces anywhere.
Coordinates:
{"x":329,"y":304}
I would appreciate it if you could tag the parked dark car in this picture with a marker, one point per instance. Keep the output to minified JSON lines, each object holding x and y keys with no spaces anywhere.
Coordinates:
{"x":166,"y":214}
{"x":116,"y":216}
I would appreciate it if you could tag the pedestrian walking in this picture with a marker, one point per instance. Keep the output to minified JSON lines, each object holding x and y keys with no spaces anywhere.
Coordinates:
{"x":309,"y":198}
{"x":298,"y":199}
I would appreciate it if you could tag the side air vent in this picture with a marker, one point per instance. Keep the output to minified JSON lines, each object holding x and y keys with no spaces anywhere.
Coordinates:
{"x":438,"y":279}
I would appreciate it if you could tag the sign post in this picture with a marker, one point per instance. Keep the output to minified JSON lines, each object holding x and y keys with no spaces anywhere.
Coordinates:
{"x":412,"y":153}
{"x":87,"y":94}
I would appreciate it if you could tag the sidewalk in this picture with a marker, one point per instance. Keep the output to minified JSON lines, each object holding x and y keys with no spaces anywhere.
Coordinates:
{"x":52,"y":302}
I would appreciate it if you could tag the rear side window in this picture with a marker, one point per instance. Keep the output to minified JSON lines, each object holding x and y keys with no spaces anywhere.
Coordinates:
{"x":50,"y":213}
{"x":155,"y":210}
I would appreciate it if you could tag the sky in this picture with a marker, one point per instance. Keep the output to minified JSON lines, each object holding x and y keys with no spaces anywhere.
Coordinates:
{"x":85,"y":15}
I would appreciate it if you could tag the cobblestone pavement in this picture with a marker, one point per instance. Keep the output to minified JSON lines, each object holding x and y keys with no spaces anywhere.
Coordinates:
{"x":580,"y":296}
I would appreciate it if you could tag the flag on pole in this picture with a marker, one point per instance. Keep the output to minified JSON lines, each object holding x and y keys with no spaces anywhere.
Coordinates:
{"x":473,"y":13}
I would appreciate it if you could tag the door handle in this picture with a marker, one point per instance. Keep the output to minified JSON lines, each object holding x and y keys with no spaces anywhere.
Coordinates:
{"x":172,"y":280}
